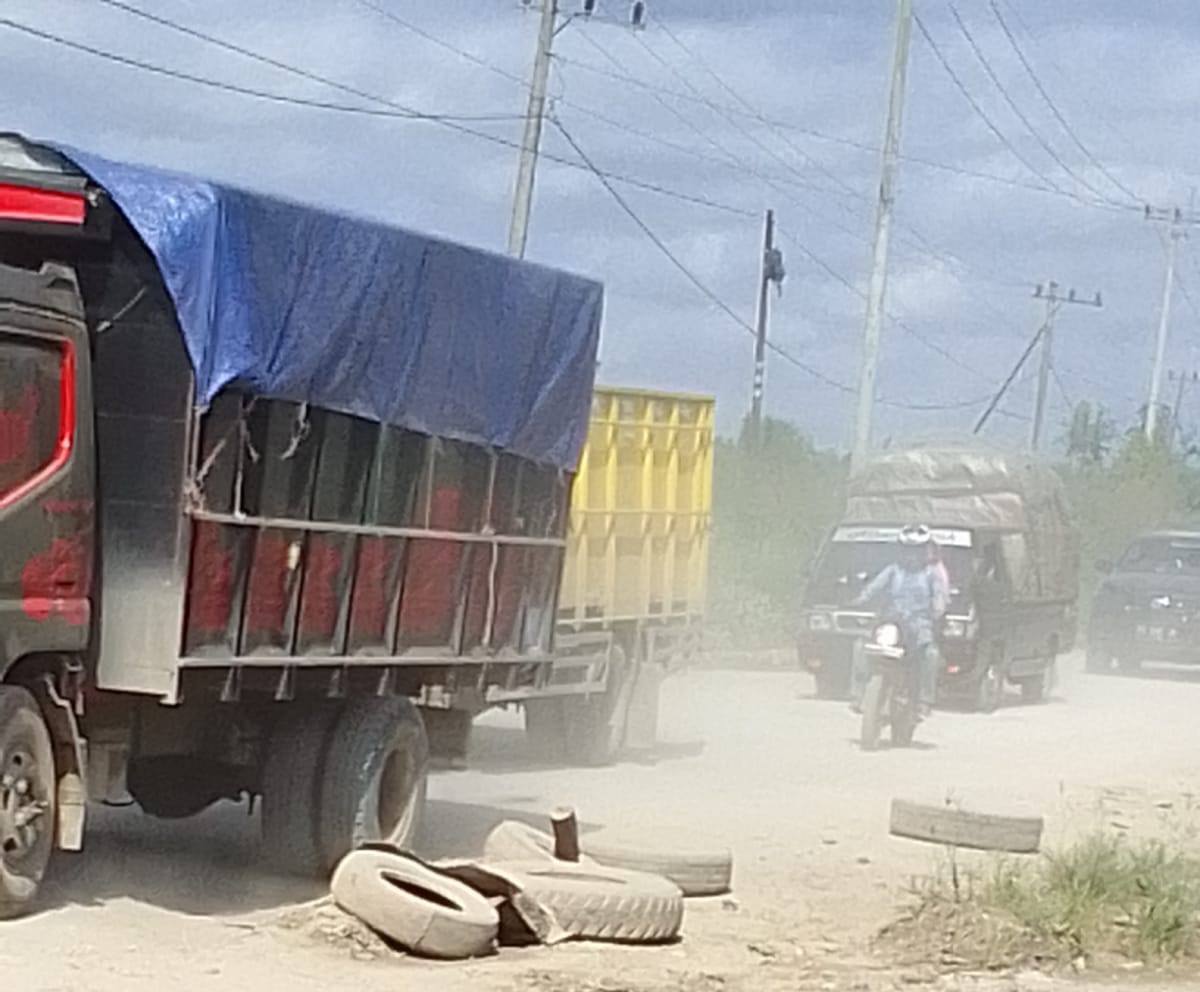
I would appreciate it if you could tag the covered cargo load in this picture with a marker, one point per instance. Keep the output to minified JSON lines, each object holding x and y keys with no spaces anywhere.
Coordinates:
{"x":296,"y":303}
{"x":977,"y":487}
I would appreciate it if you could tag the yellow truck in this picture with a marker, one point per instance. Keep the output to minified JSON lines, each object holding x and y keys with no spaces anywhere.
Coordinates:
{"x":635,"y":572}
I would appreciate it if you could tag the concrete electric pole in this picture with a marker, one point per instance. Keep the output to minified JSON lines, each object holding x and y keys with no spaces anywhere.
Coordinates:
{"x":1054,"y":301}
{"x":535,"y":114}
{"x":772,"y":272}
{"x":877,"y":289}
{"x":1175,"y":220}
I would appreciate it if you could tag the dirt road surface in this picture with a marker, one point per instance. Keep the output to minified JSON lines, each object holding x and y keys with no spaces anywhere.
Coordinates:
{"x":749,"y":761}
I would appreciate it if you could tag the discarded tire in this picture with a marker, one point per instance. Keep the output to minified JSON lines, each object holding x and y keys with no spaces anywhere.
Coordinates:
{"x":515,"y":841}
{"x":696,"y":873}
{"x":421,"y":910}
{"x":591,"y":902}
{"x":958,"y":828}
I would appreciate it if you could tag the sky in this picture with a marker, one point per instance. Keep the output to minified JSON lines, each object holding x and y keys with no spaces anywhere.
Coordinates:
{"x":716,"y":112}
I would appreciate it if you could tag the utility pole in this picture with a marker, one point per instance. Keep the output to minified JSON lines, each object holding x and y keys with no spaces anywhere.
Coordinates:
{"x":1175,"y":219}
{"x":1182,"y":379}
{"x":518,"y":231}
{"x":877,"y":289}
{"x":772,"y":271}
{"x":535,"y":114}
{"x":1054,"y":301}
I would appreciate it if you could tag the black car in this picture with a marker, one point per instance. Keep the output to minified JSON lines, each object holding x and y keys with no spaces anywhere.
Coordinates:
{"x":1147,"y":608}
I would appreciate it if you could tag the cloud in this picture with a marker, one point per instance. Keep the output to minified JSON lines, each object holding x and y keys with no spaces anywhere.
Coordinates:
{"x":966,"y":250}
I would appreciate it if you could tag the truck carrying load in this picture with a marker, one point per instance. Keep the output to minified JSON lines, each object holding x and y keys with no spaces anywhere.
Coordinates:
{"x":272,"y":478}
{"x":1005,"y":532}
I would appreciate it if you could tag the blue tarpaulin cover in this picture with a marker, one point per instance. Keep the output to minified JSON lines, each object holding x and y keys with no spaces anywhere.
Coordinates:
{"x":302,"y":304}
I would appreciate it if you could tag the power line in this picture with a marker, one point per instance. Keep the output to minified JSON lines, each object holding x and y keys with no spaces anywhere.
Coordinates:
{"x":719,"y":303}
{"x":397,"y":111}
{"x":1058,"y":114}
{"x":749,"y":108}
{"x":1012,"y":104}
{"x":575,"y":105}
{"x":965,"y":172}
{"x":977,"y":108}
{"x":1068,"y":79}
{"x":442,"y":43}
{"x":753,"y":111}
{"x":857,"y":291}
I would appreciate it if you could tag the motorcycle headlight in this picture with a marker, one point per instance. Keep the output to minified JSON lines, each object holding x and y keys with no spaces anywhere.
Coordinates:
{"x":820,"y":622}
{"x":956,"y":629}
{"x":887,"y":635}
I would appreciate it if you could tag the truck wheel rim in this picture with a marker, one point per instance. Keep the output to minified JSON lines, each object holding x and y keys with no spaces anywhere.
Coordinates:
{"x":24,"y":803}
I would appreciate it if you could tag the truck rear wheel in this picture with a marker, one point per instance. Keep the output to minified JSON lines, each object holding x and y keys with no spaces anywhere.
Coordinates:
{"x":586,"y":730}
{"x":27,"y":800}
{"x":374,"y":779}
{"x":290,"y":786}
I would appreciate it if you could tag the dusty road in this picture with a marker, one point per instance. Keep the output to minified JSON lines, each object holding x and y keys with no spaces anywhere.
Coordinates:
{"x":750,"y":761}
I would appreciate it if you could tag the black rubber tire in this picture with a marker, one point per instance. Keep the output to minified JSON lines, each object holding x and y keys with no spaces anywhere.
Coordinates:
{"x":25,"y":738}
{"x":1098,"y":659}
{"x":291,"y":793}
{"x":423,"y":911}
{"x":545,"y":728}
{"x":595,"y":724}
{"x":361,"y":801}
{"x":582,"y":730}
{"x":1033,"y":688}
{"x":989,"y":683}
{"x":697,"y":873}
{"x":960,"y":828}
{"x":872,"y":713}
{"x":591,"y":902}
{"x":904,"y":724}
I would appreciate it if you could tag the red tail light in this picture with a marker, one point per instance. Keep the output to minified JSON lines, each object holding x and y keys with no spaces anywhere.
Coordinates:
{"x":45,"y":206}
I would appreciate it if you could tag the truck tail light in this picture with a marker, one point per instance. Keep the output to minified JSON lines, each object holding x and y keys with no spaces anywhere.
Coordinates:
{"x":41,"y":206}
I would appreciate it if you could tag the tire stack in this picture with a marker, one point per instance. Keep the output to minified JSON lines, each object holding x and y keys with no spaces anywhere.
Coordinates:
{"x":520,"y":893}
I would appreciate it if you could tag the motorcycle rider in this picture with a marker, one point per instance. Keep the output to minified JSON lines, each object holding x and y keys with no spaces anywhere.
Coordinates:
{"x":916,"y":592}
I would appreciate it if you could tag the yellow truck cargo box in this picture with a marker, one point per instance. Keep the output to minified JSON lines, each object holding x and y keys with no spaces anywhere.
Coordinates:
{"x":641,"y":513}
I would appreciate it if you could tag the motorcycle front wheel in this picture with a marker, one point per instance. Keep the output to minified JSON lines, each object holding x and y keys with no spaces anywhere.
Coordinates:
{"x":904,"y":723}
{"x":872,"y":713}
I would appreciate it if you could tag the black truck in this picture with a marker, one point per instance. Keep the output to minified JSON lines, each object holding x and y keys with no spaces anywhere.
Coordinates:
{"x":1147,"y":608}
{"x":283,"y":500}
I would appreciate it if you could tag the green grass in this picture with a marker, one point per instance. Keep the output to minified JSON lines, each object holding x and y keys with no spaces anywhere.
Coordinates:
{"x":1103,"y":897}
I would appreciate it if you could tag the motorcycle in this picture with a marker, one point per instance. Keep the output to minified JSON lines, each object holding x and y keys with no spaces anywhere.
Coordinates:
{"x":892,"y":690}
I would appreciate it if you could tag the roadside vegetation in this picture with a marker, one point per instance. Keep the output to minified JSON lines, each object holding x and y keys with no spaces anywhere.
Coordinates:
{"x":1102,"y":901}
{"x":774,"y":504}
